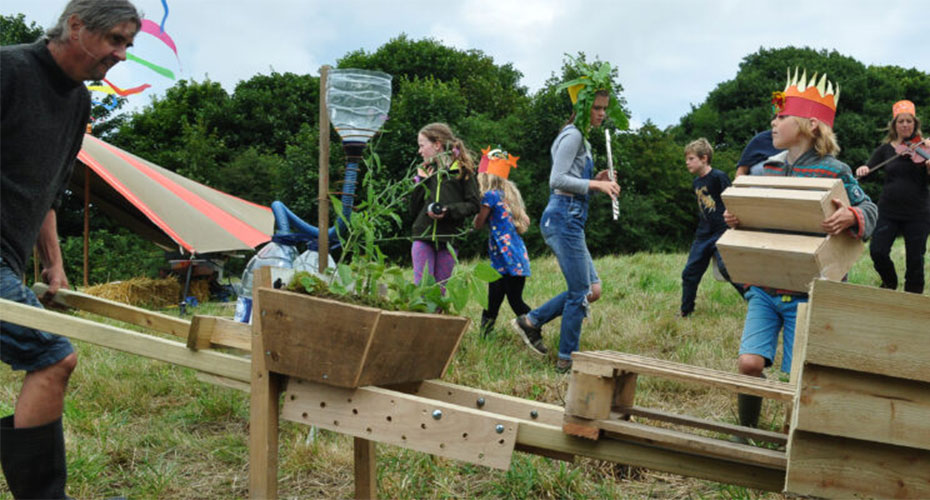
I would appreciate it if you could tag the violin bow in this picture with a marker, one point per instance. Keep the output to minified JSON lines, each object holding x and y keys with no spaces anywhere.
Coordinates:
{"x":913,"y":149}
{"x":614,"y":202}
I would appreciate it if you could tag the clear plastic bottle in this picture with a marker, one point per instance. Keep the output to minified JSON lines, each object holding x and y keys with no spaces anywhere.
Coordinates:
{"x":271,"y":255}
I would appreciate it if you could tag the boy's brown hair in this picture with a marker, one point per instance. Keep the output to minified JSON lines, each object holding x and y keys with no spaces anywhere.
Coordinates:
{"x":700,"y":148}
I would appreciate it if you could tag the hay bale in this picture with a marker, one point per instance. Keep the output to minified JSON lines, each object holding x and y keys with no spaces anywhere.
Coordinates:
{"x":200,"y":289}
{"x":143,"y":292}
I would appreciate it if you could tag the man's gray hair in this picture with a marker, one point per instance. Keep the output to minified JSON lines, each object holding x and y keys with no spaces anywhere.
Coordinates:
{"x":98,"y":16}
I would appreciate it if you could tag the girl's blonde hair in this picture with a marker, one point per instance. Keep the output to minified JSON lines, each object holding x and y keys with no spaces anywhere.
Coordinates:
{"x":821,"y":136}
{"x":512,"y":199}
{"x":440,"y":132}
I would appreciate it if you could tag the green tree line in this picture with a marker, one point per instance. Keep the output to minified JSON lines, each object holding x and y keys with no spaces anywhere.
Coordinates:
{"x":260,"y":141}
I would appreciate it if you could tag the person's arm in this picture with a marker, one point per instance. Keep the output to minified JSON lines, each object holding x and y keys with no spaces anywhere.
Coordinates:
{"x":859,"y":217}
{"x":53,"y":267}
{"x":568,"y":145}
{"x":742,"y":170}
{"x":471,"y":198}
{"x":482,"y":216}
{"x":603,"y":184}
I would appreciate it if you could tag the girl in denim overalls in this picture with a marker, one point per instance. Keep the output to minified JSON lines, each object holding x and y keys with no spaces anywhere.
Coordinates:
{"x":571,"y":181}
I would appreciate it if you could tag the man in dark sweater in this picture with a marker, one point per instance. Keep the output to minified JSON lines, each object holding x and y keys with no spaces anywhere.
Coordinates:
{"x":44,"y":108}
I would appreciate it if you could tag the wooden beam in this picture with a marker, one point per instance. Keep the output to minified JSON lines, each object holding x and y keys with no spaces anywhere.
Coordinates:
{"x":404,"y":420}
{"x":834,"y":467}
{"x":735,"y":382}
{"x":213,"y":331}
{"x":263,"y":407}
{"x":323,"y":181}
{"x":641,"y":455}
{"x":765,"y":181}
{"x":117,"y":310}
{"x":710,"y":425}
{"x":224,"y":365}
{"x":870,"y":330}
{"x":491,"y":402}
{"x":366,"y":469}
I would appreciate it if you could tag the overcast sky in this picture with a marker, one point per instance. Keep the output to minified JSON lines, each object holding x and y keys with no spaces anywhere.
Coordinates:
{"x":670,"y":54}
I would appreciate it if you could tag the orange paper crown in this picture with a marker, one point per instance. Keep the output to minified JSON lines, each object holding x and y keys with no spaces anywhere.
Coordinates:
{"x":904,"y":106}
{"x":809,"y":98}
{"x":497,"y":162}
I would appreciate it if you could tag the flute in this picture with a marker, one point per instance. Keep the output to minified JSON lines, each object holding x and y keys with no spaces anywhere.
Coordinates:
{"x":615,"y":203}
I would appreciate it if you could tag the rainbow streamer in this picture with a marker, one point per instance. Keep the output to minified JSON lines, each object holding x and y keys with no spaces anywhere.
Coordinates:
{"x":154,"y":67}
{"x":164,"y":4}
{"x":153,"y":29}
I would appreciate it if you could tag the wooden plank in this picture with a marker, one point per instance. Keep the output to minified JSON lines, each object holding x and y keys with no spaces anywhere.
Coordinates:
{"x":802,"y":319}
{"x":404,"y":420}
{"x":199,"y":335}
{"x":682,"y":441}
{"x":784,"y":209}
{"x":641,"y":455}
{"x":786,"y":261}
{"x":625,"y":390}
{"x":735,"y":382}
{"x":229,"y":333}
{"x":169,"y":351}
{"x":117,"y":310}
{"x":366,"y":469}
{"x":870,"y":330}
{"x":710,"y":425}
{"x":865,"y":406}
{"x":323,"y":340}
{"x":224,"y":382}
{"x":492,"y":402}
{"x":263,"y":406}
{"x":411,"y":347}
{"x":765,"y":181}
{"x":833,"y":467}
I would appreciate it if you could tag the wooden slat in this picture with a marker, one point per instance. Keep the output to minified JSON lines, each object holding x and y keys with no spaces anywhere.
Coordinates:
{"x":710,"y":425}
{"x":832,"y":467}
{"x":784,"y":209}
{"x":492,"y":402}
{"x":688,"y":373}
{"x":263,"y":406}
{"x":865,"y":406}
{"x":870,"y":329}
{"x":129,"y":314}
{"x":170,"y":351}
{"x":366,"y":469}
{"x":677,"y":440}
{"x":765,"y":181}
{"x":786,"y":261}
{"x":404,"y":420}
{"x":641,"y":455}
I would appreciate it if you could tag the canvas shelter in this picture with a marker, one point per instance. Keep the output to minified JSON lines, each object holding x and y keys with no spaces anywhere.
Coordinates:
{"x":166,"y":208}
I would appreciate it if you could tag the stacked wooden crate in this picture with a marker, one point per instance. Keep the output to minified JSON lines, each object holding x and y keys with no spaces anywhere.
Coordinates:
{"x":780,"y":242}
{"x":861,"y":419}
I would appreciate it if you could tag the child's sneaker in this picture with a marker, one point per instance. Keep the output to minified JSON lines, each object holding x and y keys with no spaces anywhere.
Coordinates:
{"x":531,"y":335}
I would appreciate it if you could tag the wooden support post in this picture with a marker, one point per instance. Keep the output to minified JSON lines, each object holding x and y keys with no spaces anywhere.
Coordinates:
{"x":86,"y":222}
{"x":263,"y":414}
{"x":625,"y":391}
{"x":323,"y":196}
{"x":590,"y":396}
{"x":366,"y":469}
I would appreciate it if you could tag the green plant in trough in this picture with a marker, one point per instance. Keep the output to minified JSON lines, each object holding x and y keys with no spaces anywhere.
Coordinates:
{"x":363,"y":275}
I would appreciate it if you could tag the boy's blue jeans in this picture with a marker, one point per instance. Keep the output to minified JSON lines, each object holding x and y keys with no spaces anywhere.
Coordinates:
{"x":562,"y":225}
{"x":702,"y":250}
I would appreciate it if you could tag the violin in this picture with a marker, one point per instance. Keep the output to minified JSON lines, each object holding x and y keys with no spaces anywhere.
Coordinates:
{"x":912,"y":148}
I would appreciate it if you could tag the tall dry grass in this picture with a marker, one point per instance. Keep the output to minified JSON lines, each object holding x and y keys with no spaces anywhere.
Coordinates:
{"x":144,"y":429}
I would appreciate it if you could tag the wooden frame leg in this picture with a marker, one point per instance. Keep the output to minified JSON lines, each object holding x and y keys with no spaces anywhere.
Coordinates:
{"x":263,"y":409}
{"x":366,"y":469}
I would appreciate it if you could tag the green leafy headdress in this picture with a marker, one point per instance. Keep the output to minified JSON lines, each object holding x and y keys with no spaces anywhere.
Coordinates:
{"x":582,"y":90}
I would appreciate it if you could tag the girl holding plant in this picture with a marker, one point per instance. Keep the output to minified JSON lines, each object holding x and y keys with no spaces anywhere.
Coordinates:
{"x":572,"y":181}
{"x":446,"y":194}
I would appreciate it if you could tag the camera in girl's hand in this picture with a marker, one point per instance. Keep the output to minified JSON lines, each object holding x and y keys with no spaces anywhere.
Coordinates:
{"x":436,"y":208}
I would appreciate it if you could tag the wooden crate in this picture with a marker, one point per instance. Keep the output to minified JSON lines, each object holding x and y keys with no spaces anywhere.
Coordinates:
{"x":346,"y":345}
{"x":786,"y":261}
{"x":797,"y":204}
{"x":860,"y":423}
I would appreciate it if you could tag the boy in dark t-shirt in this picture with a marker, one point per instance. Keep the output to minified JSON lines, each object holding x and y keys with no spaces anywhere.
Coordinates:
{"x":708,"y":184}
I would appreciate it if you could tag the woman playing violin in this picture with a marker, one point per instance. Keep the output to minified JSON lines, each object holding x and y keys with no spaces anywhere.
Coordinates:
{"x":904,"y":206}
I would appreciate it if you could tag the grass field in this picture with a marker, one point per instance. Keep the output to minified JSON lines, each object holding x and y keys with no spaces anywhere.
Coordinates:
{"x":144,"y":429}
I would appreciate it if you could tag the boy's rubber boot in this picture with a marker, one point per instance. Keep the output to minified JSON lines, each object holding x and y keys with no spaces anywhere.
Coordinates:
{"x":487,"y":324}
{"x":33,"y":459}
{"x":749,"y":409}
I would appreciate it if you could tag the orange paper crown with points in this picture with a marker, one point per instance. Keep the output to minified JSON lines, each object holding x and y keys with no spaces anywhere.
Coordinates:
{"x":904,"y":106}
{"x":497,"y":162}
{"x":809,"y":98}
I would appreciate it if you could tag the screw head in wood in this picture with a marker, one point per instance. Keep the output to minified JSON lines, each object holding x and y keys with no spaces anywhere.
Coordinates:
{"x":437,"y":414}
{"x":480,"y":402}
{"x":499,"y":428}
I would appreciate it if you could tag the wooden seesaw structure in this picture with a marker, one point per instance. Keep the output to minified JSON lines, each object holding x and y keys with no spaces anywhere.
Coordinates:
{"x":860,"y":398}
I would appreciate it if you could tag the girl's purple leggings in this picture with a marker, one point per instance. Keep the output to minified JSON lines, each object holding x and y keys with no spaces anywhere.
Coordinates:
{"x":426,"y":255}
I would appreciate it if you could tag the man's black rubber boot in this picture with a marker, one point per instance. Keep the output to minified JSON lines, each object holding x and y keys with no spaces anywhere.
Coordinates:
{"x":33,"y":459}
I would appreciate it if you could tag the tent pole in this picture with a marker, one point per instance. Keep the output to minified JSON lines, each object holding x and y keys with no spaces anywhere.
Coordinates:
{"x":323,"y":211}
{"x":86,"y":221}
{"x":187,"y":285}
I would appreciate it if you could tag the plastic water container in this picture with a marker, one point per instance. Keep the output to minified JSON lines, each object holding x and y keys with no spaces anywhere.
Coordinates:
{"x":271,"y":255}
{"x":310,"y":261}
